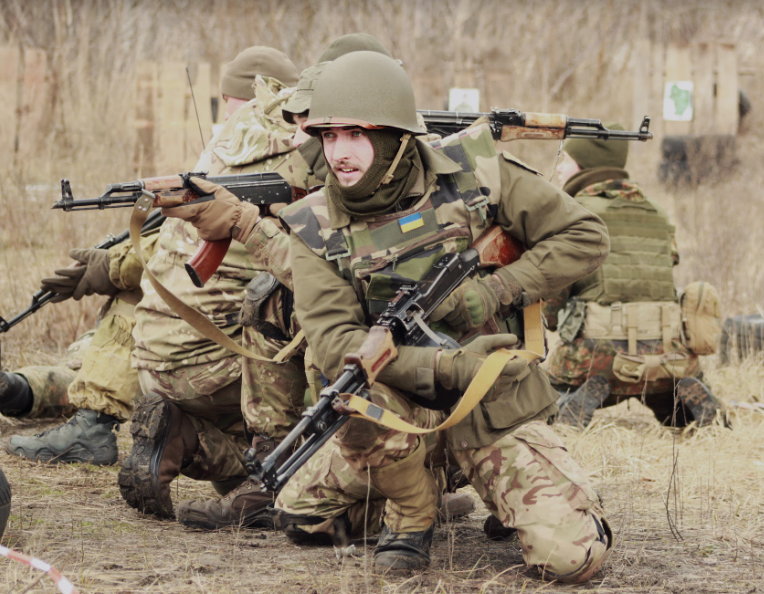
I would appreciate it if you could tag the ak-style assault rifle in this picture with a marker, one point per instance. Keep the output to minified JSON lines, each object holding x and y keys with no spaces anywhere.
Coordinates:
{"x":260,"y":189}
{"x":40,"y":298}
{"x":402,"y":323}
{"x":511,"y":124}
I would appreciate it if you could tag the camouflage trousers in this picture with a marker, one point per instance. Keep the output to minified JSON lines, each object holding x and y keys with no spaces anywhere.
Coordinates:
{"x":337,"y":479}
{"x":526,"y":479}
{"x":210,"y":395}
{"x":106,"y":382}
{"x":94,"y":374}
{"x":572,"y":364}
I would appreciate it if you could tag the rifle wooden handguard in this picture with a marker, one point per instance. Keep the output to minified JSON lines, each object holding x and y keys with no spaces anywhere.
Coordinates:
{"x":376,"y":352}
{"x":497,"y":248}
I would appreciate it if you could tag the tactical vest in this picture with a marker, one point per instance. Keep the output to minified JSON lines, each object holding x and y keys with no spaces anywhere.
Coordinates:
{"x":381,"y":254}
{"x":640,"y":266}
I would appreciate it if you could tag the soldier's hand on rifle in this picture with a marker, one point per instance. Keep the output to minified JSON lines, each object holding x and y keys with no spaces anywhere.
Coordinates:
{"x":474,"y":302}
{"x":221,"y":216}
{"x":89,"y":276}
{"x":454,"y":369}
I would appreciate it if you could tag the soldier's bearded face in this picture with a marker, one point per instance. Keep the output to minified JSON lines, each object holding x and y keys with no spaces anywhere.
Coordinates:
{"x":349,"y":153}
{"x":566,"y":169}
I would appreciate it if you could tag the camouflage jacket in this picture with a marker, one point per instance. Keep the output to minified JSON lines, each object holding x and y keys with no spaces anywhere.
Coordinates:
{"x":256,"y":138}
{"x":343,"y":266}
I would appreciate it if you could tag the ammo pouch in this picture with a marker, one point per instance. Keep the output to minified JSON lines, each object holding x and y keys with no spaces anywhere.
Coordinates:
{"x":633,"y":369}
{"x":252,"y":311}
{"x":646,"y":320}
{"x":701,"y":318}
{"x":632,"y":322}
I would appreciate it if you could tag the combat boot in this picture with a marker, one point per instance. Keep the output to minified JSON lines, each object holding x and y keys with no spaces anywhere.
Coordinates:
{"x":698,"y":400}
{"x":409,"y":551}
{"x":5,"y":502}
{"x":246,"y":506}
{"x":577,"y":408}
{"x":164,"y":442}
{"x":16,"y":397}
{"x":411,"y":508}
{"x":495,"y":530}
{"x":87,"y":437}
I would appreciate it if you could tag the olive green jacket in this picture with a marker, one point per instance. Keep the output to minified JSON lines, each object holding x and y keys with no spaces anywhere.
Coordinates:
{"x":565,"y":243}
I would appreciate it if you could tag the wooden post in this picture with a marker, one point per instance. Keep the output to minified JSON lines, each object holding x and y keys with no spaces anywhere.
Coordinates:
{"x":33,"y":100}
{"x":703,"y":77}
{"x":145,"y":119}
{"x":727,"y":92}
{"x":9,"y":88}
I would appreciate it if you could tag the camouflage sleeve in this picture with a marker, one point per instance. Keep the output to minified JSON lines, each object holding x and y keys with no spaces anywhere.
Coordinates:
{"x":566,"y":241}
{"x":269,"y":246}
{"x":553,"y":305}
{"x":125,"y":270}
{"x":327,"y":308}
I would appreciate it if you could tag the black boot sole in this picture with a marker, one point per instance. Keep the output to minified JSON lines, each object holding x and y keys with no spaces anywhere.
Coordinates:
{"x":139,"y":477}
{"x":5,"y":502}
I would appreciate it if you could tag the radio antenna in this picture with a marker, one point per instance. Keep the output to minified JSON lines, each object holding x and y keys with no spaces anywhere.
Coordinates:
{"x":196,"y":110}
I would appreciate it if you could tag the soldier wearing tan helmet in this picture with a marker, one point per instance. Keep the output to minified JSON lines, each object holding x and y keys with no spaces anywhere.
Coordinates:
{"x":271,"y":394}
{"x":392,"y":205}
{"x":621,"y":326}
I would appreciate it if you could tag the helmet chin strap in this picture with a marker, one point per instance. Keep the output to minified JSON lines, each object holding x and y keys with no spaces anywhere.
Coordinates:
{"x":388,"y":177}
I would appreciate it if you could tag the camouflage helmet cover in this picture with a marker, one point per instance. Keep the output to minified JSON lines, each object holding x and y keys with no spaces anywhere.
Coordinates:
{"x":299,"y":102}
{"x":365,"y":89}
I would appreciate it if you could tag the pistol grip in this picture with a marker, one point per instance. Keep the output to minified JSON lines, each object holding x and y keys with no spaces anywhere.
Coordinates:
{"x":205,"y":262}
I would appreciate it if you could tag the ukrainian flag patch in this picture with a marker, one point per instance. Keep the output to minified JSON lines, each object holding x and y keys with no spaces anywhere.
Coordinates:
{"x":411,"y":222}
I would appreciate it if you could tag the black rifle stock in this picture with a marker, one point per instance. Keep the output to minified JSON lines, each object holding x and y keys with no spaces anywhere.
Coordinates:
{"x":511,"y":124}
{"x":40,"y":298}
{"x":402,"y":323}
{"x":260,"y":189}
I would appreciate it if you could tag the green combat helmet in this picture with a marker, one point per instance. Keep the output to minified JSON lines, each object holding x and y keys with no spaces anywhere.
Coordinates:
{"x":376,"y":93}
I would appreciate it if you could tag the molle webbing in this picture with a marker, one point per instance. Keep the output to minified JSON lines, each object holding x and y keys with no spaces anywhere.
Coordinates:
{"x":639,"y":267}
{"x":634,"y":322}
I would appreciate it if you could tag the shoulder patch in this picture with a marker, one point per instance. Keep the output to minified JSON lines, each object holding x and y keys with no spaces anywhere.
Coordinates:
{"x":512,"y":159}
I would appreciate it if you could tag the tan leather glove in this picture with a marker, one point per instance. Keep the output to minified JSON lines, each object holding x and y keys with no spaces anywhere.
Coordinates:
{"x":91,"y":276}
{"x":456,"y":368}
{"x":220,"y":217}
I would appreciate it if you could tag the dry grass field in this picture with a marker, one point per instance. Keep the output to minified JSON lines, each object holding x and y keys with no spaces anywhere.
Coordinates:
{"x":687,"y":507}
